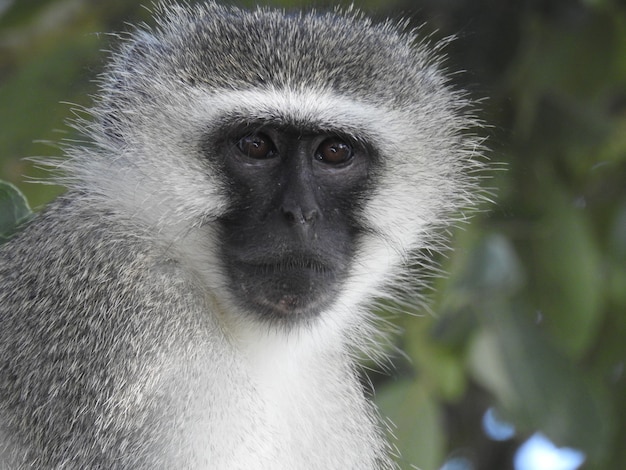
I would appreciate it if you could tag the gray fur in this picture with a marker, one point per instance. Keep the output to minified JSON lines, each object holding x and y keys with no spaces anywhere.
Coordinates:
{"x":119,"y":345}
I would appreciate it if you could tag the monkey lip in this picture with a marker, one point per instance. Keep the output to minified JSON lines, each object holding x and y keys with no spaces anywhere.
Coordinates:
{"x":288,"y":287}
{"x":289,"y":264}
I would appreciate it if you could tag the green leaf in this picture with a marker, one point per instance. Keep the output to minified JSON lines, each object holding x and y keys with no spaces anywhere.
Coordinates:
{"x":567,"y":276}
{"x":417,"y":423}
{"x":537,"y":387}
{"x":493,"y":269}
{"x":438,"y":364}
{"x":13,"y":209}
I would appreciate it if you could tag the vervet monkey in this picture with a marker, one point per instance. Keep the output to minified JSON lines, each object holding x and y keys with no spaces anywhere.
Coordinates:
{"x":251,"y":183}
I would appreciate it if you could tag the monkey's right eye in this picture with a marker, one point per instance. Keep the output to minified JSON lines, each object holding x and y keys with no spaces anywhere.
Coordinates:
{"x":257,"y":146}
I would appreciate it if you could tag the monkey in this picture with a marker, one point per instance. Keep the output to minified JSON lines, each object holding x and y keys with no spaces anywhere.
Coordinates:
{"x":250,"y":184}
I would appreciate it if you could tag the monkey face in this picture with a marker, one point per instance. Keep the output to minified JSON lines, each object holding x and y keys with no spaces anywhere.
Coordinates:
{"x":290,"y":235}
{"x":297,"y":162}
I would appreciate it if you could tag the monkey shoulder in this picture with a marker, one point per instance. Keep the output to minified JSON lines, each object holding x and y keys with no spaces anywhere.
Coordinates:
{"x":94,"y":316}
{"x":79,"y":257}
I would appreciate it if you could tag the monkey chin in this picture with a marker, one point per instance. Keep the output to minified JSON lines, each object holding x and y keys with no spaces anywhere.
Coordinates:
{"x":287,"y":293}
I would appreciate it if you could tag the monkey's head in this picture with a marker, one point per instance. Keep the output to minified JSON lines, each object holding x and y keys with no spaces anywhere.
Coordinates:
{"x":296,"y":161}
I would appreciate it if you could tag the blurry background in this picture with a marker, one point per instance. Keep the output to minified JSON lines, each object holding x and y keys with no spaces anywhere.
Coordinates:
{"x":519,"y":364}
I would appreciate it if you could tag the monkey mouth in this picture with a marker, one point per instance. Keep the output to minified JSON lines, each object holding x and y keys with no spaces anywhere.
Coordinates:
{"x":290,"y":288}
{"x":290,"y":264}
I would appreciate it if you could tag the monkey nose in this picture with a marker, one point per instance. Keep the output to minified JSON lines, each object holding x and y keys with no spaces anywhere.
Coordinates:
{"x":300,"y":219}
{"x":299,"y":215}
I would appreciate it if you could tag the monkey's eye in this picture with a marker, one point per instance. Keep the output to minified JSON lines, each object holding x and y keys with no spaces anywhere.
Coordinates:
{"x":257,"y":146}
{"x":334,"y":151}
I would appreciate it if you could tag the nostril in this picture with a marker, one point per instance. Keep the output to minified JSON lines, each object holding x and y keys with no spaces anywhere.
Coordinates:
{"x":310,"y":216}
{"x":298,"y":215}
{"x":289,"y":215}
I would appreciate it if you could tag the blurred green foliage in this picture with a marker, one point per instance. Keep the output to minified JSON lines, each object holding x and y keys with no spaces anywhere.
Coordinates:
{"x":532,"y":317}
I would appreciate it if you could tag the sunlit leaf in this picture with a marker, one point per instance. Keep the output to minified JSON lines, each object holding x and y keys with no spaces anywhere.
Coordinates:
{"x":439,"y":368}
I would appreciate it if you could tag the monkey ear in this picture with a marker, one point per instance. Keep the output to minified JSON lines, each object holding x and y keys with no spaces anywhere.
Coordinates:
{"x":125,"y":84}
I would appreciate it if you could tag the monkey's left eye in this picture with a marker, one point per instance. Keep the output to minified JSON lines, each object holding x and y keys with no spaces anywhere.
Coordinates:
{"x":257,"y":146}
{"x":334,"y":151}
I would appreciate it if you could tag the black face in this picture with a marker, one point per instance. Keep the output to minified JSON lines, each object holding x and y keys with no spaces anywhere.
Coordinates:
{"x":288,"y":240}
